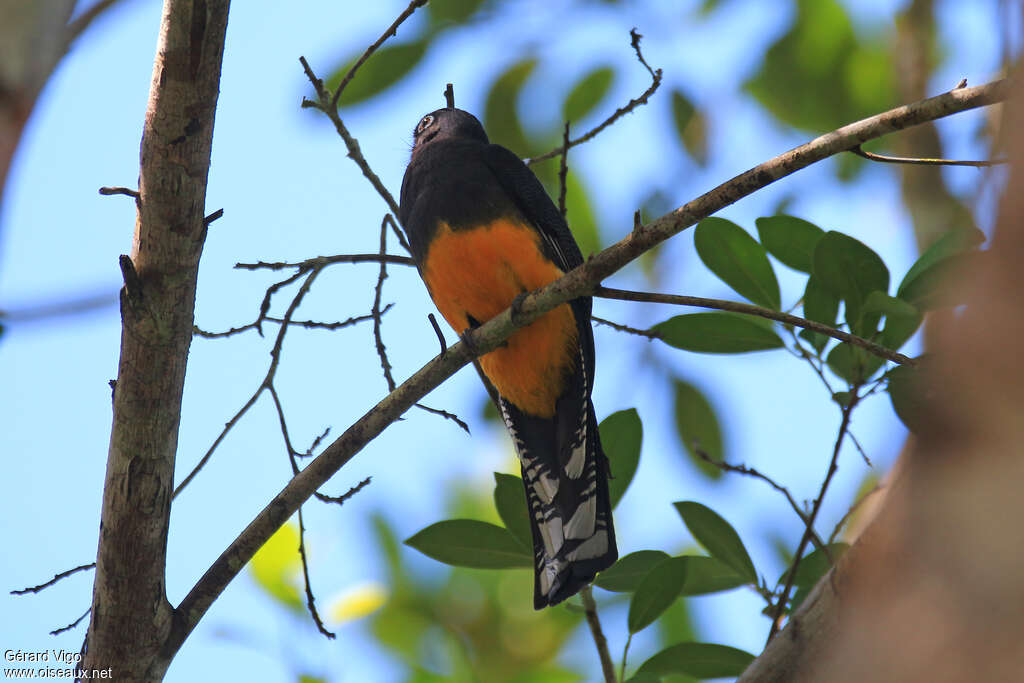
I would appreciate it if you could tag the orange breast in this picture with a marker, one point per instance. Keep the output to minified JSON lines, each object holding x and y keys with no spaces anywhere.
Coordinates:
{"x":477,"y":273}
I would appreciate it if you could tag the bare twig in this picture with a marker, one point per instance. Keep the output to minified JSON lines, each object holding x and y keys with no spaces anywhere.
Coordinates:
{"x":581,"y":281}
{"x":449,"y":96}
{"x":392,"y":30}
{"x":751,"y":472}
{"x":590,"y":610}
{"x":625,"y":655}
{"x":617,"y":114}
{"x":324,"y":104}
{"x":438,"y":332}
{"x":310,"y":599}
{"x":127,"y":191}
{"x":918,"y":161}
{"x":625,"y":328}
{"x":322,"y":261}
{"x":73,"y":624}
{"x":780,"y":606}
{"x":340,"y":500}
{"x":378,"y":290}
{"x":563,"y":170}
{"x":275,"y":354}
{"x":307,"y":324}
{"x":750,"y":309}
{"x":55,"y":579}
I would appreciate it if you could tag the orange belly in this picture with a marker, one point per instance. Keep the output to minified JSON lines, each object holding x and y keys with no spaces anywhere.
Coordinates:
{"x":477,"y":273}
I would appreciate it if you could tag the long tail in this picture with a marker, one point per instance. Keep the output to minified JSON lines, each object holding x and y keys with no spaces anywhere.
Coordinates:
{"x":570,"y":511}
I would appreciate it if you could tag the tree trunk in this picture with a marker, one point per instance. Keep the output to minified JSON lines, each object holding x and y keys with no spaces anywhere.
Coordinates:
{"x":131,"y":616}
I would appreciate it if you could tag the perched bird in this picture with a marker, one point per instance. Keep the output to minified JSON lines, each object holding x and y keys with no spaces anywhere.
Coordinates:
{"x":483,"y":232}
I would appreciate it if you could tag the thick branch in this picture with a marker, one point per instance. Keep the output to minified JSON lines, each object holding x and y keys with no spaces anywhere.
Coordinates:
{"x":131,"y":616}
{"x":581,"y":281}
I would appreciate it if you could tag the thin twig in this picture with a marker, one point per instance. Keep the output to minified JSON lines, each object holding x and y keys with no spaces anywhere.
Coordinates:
{"x":780,"y":606}
{"x":751,"y":472}
{"x":340,"y":500}
{"x":625,"y":328}
{"x":127,"y":191}
{"x":310,"y":599}
{"x":392,"y":30}
{"x":323,"y":103}
{"x":322,"y":261}
{"x":438,"y":332}
{"x":449,"y":96}
{"x":625,"y":654}
{"x":750,"y":309}
{"x":590,"y":610}
{"x":76,"y":622}
{"x":617,"y":114}
{"x":307,"y":324}
{"x":55,"y":579}
{"x":446,"y":415}
{"x":563,"y":170}
{"x":919,"y":161}
{"x":378,"y":291}
{"x":275,"y":354}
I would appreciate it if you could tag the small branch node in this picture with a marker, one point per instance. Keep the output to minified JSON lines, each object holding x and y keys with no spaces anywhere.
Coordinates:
{"x":449,"y":96}
{"x":212,"y":217}
{"x":128,"y":192}
{"x":438,"y":332}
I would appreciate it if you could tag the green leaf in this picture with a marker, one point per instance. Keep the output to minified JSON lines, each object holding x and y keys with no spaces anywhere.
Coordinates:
{"x":510,"y":500}
{"x":850,"y":270}
{"x":691,"y":127}
{"x":718,"y":537}
{"x":718,"y":332}
{"x":448,"y":12}
{"x":852,"y":363}
{"x":580,"y":215}
{"x":700,"y":660}
{"x":587,"y":93}
{"x":655,"y":592}
{"x":625,"y":575}
{"x":913,"y":395}
{"x":922,"y":284}
{"x":820,"y":305}
{"x":470,"y":543}
{"x":698,"y":426}
{"x":790,"y":239}
{"x":384,"y":68}
{"x":708,"y":575}
{"x":501,"y":108}
{"x":738,"y":260}
{"x":622,"y":434}
{"x":901,"y":318}
{"x":276,"y":567}
{"x":819,"y":75}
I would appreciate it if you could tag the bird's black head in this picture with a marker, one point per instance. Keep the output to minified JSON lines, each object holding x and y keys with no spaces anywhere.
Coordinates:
{"x":446,"y":124}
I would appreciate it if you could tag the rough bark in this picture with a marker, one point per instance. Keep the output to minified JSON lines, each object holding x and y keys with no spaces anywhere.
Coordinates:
{"x":131,"y":616}
{"x":932,"y":590}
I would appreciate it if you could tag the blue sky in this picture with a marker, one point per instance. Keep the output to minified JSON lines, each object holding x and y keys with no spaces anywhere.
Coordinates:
{"x":289,"y":193}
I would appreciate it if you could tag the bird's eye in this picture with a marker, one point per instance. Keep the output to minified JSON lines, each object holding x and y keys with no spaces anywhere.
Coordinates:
{"x":424,"y":123}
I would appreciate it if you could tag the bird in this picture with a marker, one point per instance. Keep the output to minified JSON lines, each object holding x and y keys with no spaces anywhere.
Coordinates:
{"x":483,"y":233}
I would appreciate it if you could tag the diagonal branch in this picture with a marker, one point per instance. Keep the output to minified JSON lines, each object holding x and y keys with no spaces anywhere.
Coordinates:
{"x":580,"y":281}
